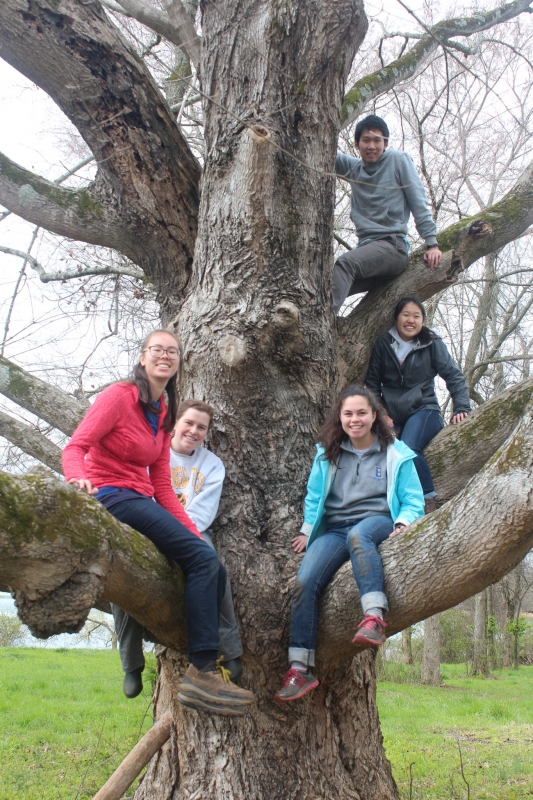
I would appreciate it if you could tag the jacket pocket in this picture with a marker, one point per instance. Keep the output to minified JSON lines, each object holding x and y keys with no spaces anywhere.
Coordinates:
{"x":402,"y":404}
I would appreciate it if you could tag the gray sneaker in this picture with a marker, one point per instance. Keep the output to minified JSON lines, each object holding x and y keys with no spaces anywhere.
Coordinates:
{"x":295,"y":684}
{"x":211,"y":689}
{"x":370,"y":632}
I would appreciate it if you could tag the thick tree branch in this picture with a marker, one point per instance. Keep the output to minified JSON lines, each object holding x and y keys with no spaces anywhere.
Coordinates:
{"x":148,"y":179}
{"x":49,"y":277}
{"x":462,"y":243}
{"x":383,"y":80}
{"x":31,"y":441}
{"x":453,"y":463}
{"x":175,"y":25}
{"x":75,"y":213}
{"x":62,"y":552}
{"x":56,"y":407}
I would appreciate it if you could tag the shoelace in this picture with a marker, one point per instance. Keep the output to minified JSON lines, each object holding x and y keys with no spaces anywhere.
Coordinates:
{"x":225,"y":673}
{"x":294,"y":676}
{"x":376,"y":621}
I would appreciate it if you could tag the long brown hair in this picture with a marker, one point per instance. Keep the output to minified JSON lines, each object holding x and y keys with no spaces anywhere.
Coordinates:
{"x":172,"y":388}
{"x":331,"y":434}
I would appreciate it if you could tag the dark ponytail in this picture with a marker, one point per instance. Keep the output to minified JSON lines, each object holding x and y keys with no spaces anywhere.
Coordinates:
{"x":172,"y":388}
{"x":426,"y":335}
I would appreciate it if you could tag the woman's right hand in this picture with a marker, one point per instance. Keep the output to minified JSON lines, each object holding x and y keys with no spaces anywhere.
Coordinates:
{"x":84,"y":485}
{"x":299,"y":543}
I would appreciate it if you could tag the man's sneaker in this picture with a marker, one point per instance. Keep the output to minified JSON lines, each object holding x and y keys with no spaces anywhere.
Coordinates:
{"x":370,"y":632}
{"x":211,"y":689}
{"x":295,"y":684}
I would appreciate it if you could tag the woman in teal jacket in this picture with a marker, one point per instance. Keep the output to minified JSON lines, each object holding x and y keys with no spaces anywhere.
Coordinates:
{"x":363,"y":488}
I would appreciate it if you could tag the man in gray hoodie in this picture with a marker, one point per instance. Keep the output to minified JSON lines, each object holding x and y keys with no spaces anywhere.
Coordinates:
{"x":386,"y":189}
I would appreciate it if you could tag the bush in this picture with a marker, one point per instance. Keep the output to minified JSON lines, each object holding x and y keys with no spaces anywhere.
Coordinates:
{"x":457,"y":636}
{"x":12,"y":631}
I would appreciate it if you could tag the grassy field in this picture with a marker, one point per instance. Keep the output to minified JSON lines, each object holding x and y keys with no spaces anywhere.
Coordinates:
{"x":65,"y":726}
{"x":489,"y":723}
{"x":64,"y":723}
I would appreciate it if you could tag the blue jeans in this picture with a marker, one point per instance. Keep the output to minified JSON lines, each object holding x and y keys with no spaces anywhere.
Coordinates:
{"x":357,"y":540}
{"x":417,"y":433}
{"x":205,"y":577}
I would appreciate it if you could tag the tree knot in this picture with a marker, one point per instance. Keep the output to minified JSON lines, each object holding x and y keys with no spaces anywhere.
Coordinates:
{"x":479,"y":227}
{"x":65,"y":610}
{"x":260,"y":134}
{"x":285,"y":315}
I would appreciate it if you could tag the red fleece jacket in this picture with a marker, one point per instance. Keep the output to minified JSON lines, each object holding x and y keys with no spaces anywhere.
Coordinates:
{"x":114,"y":445}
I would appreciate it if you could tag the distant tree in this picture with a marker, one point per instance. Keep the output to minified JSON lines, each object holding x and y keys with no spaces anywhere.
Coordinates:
{"x":13,"y":632}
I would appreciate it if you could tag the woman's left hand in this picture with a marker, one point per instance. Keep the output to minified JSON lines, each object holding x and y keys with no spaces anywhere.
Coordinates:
{"x":299,"y":543}
{"x":397,"y":529}
{"x":458,"y":418}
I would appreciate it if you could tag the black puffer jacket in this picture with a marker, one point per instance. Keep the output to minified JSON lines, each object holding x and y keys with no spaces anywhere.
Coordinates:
{"x":408,"y":387}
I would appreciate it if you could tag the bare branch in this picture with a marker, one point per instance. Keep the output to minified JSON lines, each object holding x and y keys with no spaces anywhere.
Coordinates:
{"x":381,"y":81}
{"x":31,"y":441}
{"x":75,"y":213}
{"x":175,"y":25}
{"x":56,"y":407}
{"x":48,"y":277}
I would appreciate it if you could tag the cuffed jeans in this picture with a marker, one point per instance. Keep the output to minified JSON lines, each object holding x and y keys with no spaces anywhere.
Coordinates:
{"x":205,"y":577}
{"x":357,"y":540}
{"x":131,"y":633}
{"x":367,"y":267}
{"x":417,"y":433}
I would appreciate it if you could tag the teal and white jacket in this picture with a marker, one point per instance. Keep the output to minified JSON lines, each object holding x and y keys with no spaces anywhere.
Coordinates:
{"x":404,"y":491}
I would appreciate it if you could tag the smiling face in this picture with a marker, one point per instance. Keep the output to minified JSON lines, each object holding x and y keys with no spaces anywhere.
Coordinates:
{"x":190,"y":431}
{"x":357,"y":419}
{"x":371,"y":145}
{"x":409,"y":322}
{"x":159,"y":368}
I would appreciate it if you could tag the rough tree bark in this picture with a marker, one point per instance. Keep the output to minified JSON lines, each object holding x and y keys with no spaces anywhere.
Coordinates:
{"x":260,"y":343}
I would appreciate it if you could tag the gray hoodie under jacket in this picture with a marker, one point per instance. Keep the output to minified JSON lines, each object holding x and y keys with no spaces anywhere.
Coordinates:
{"x":384,"y":194}
{"x":359,"y":489}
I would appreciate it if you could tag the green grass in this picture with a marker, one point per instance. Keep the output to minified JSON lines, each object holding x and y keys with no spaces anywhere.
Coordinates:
{"x":490,"y":720}
{"x":65,"y":726}
{"x":64,"y":723}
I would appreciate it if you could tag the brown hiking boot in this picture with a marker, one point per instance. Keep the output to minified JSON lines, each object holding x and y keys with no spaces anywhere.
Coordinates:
{"x":210,"y":689}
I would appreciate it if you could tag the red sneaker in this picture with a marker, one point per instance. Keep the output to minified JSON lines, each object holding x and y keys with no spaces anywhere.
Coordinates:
{"x":371,"y":632}
{"x":295,"y":684}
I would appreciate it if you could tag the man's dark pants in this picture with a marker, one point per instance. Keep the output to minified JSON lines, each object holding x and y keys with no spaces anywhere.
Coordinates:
{"x":367,"y":267}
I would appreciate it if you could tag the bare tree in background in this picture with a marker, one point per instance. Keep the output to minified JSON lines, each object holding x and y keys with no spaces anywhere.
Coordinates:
{"x":239,"y":254}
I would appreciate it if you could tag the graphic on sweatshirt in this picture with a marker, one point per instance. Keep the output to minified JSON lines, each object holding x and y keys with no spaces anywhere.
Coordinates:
{"x":181,"y":479}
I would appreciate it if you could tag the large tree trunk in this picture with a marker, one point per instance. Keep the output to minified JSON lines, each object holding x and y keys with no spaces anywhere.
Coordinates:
{"x":258,"y":317}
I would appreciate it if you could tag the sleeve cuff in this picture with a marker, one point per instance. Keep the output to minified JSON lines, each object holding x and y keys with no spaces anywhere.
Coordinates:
{"x":306,"y":528}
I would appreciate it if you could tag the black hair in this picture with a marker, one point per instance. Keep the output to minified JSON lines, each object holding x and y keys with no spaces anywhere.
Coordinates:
{"x":172,"y":389}
{"x":426,"y":335}
{"x":331,"y":434}
{"x":372,"y":121}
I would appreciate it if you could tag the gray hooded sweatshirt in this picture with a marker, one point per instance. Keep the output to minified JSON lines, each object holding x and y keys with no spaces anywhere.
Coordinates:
{"x":384,"y":194}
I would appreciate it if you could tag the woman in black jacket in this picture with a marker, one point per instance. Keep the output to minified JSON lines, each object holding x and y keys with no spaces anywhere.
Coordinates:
{"x":402,"y":370}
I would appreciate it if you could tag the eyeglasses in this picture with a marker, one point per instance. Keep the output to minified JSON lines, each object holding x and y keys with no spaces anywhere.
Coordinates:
{"x":156,"y":351}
